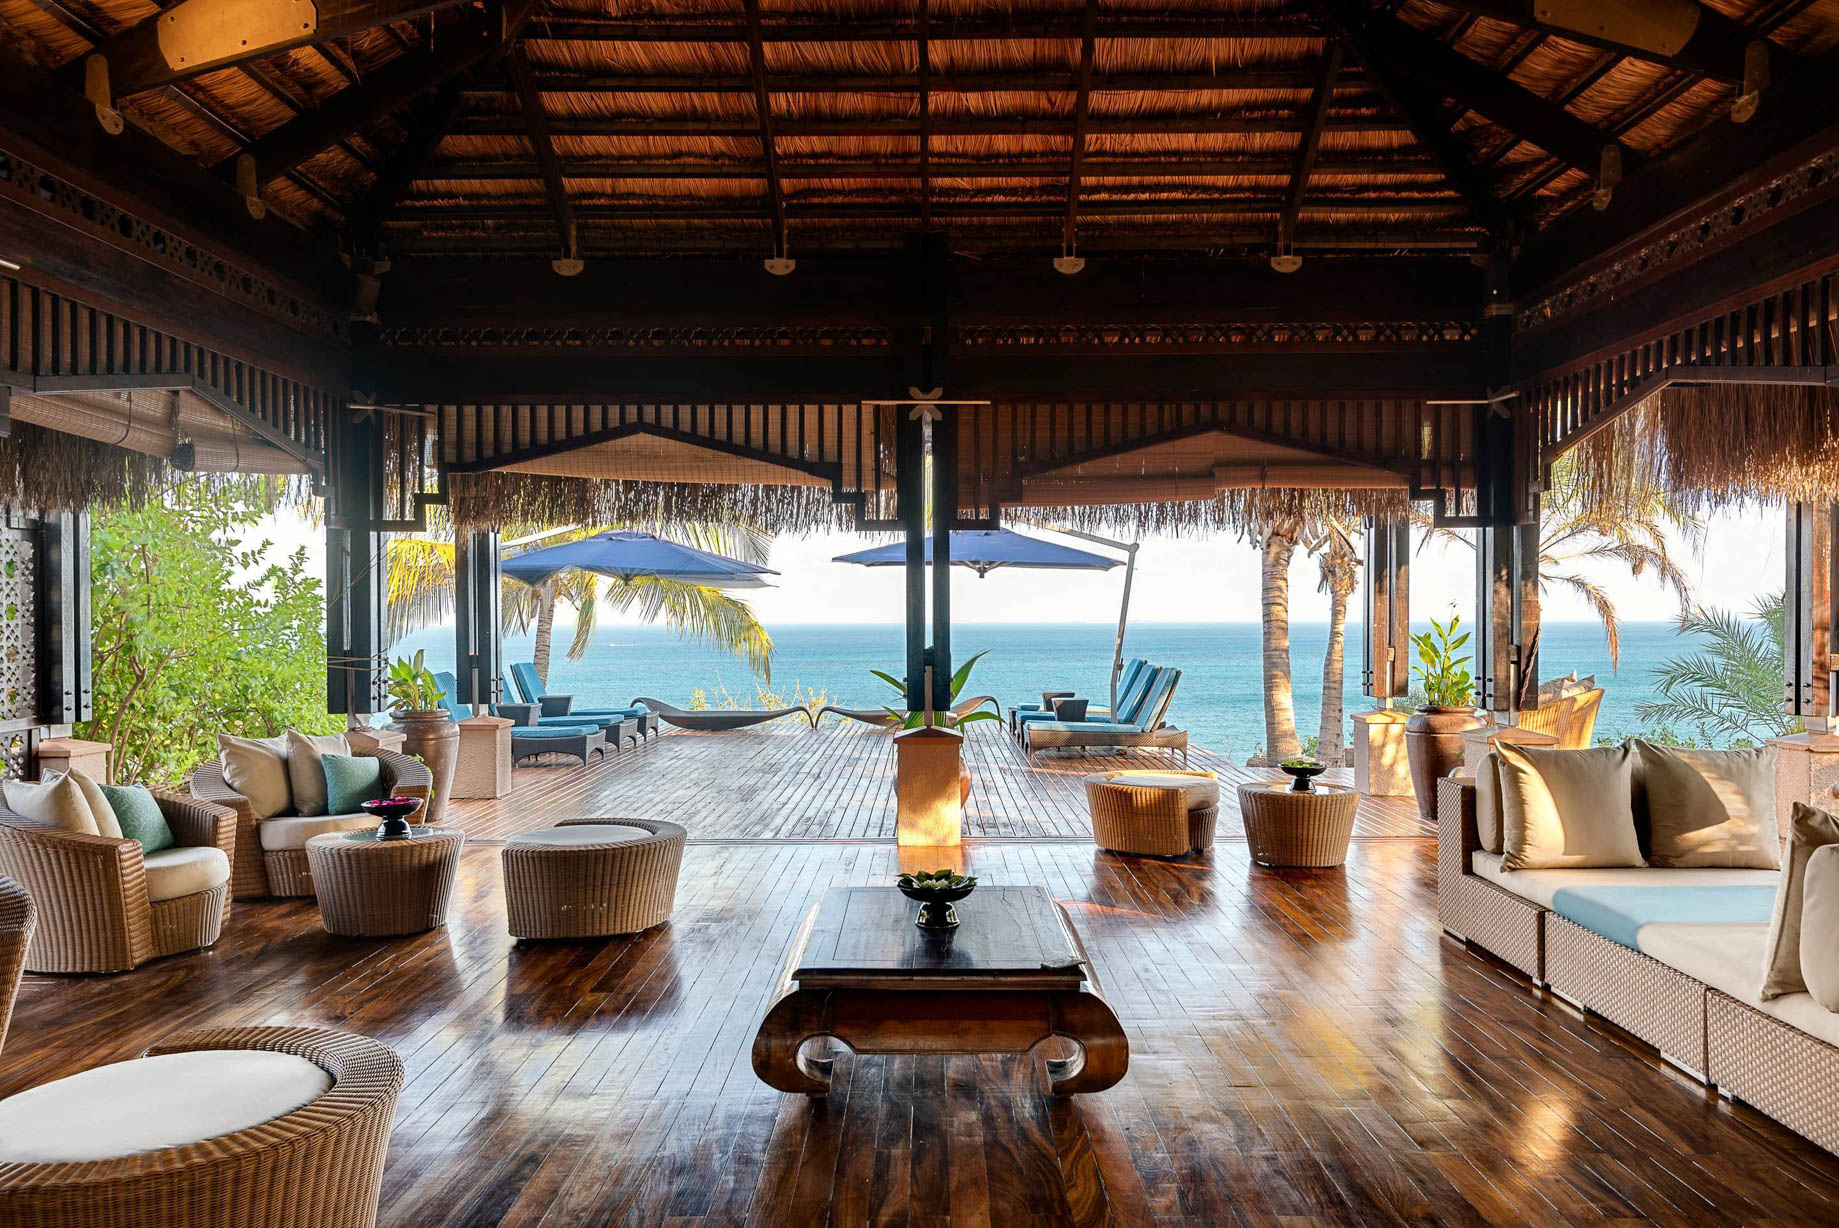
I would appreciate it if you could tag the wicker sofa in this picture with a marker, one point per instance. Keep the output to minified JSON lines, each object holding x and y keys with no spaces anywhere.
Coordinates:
{"x":18,"y":918}
{"x":1692,"y":992}
{"x":103,"y":905}
{"x":273,"y":862}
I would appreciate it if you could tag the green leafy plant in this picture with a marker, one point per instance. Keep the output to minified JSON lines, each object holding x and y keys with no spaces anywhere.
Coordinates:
{"x":936,"y":880}
{"x":1730,"y":692}
{"x":946,"y":719}
{"x":1447,"y":681}
{"x":1304,"y":764}
{"x":411,"y":685}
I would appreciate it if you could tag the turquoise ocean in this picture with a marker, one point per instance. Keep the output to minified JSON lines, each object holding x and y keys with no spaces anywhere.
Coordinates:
{"x":1219,"y":701}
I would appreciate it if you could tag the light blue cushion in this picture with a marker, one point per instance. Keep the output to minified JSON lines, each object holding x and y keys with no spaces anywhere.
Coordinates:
{"x":1086,"y":726}
{"x":1618,"y":913}
{"x":351,"y":779}
{"x":140,"y":817}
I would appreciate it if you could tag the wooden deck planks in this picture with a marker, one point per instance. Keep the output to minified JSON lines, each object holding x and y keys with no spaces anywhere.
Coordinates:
{"x":786,"y":781}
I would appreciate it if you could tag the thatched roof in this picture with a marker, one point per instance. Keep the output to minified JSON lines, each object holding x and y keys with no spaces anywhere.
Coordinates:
{"x":887,"y":115}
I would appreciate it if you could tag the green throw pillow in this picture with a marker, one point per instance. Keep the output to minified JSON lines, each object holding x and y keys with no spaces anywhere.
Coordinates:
{"x":351,"y":779}
{"x":139,"y":816}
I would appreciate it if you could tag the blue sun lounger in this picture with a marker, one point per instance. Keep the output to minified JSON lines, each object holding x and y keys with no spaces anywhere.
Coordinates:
{"x":561,"y":709}
{"x":1132,"y":687}
{"x":583,"y":739}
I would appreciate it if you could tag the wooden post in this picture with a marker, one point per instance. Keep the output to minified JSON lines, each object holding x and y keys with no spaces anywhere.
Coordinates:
{"x":1386,"y":658}
{"x":1807,"y":609}
{"x":910,"y":489}
{"x":944,"y":513}
{"x":63,"y":617}
{"x":354,"y":565}
{"x":477,"y":656}
{"x":1507,"y":617}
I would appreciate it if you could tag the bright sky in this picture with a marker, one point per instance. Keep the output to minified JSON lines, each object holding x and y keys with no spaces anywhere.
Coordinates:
{"x":1196,"y":579}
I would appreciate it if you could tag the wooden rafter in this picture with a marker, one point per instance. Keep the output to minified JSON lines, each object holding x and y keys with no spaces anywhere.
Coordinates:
{"x":1082,"y":106}
{"x":426,"y":131}
{"x":964,"y":29}
{"x":1019,"y":167}
{"x":536,"y":122}
{"x":923,"y":48}
{"x":970,"y":125}
{"x":1713,"y":47}
{"x":1308,"y":147}
{"x":763,"y":104}
{"x":1028,"y":82}
{"x":1128,"y":206}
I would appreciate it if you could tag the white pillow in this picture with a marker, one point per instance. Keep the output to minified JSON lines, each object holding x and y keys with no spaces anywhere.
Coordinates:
{"x":100,"y":808}
{"x":1820,"y":926}
{"x":257,"y":769}
{"x":58,"y":801}
{"x":306,"y":775}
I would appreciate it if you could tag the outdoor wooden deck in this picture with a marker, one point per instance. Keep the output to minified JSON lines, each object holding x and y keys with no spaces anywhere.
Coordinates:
{"x":788,"y":782}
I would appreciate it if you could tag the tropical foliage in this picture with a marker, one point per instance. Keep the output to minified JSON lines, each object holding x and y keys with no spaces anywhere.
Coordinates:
{"x":913,"y":720}
{"x":1447,"y":682}
{"x":412,"y":686}
{"x":1338,"y":566}
{"x":1730,"y":691}
{"x":194,"y":632}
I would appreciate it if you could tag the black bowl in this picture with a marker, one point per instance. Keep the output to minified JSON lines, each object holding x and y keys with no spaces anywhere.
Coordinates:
{"x":1303,"y":775}
{"x":936,"y":911}
{"x":395,"y":812}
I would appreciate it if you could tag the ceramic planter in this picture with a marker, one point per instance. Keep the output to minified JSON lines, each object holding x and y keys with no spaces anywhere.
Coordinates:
{"x":1433,"y":744}
{"x":435,"y":739}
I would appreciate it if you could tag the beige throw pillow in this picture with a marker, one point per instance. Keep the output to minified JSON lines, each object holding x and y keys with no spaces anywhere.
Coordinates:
{"x":1710,"y":807}
{"x":58,"y":801}
{"x":1808,"y":830}
{"x":1488,"y":804}
{"x":1566,"y":809}
{"x":257,"y":769}
{"x":306,"y":775}
{"x":1819,"y":946}
{"x":100,"y":808}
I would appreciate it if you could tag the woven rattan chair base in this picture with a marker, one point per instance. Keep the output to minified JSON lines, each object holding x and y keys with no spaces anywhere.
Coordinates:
{"x":189,"y":922}
{"x":1643,"y":996}
{"x":1472,"y":908}
{"x":378,"y":889}
{"x":1791,"y":1076}
{"x":289,"y":873}
{"x":18,"y":917}
{"x":1286,"y":828}
{"x":593,"y":890}
{"x":1145,"y":820}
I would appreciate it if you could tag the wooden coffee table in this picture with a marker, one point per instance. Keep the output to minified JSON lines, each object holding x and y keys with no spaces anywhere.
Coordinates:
{"x":1011,"y":975}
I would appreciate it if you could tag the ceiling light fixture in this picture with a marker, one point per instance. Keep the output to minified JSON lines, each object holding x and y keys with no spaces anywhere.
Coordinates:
{"x":1068,"y":262}
{"x":11,"y":266}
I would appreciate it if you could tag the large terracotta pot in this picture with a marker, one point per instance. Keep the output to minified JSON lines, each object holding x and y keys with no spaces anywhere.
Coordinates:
{"x":1433,"y":745}
{"x":435,"y":740}
{"x":964,"y":783}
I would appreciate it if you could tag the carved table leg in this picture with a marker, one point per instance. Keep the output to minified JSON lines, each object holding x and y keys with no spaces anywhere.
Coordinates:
{"x":1104,"y":1052}
{"x":795,"y":1017}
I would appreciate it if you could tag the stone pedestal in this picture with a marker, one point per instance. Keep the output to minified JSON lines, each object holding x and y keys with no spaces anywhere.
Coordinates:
{"x":75,"y":755}
{"x":929,"y":803}
{"x":484,"y":767}
{"x":374,"y":739}
{"x":1477,"y":742}
{"x":1380,"y":766}
{"x":1806,"y":769}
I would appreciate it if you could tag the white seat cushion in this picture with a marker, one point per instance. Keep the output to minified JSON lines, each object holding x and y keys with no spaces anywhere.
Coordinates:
{"x":583,"y":833}
{"x":1540,"y":886}
{"x":174,"y":872}
{"x":293,"y":833}
{"x":153,"y":1103}
{"x":1729,"y":958}
{"x":1198,"y":792}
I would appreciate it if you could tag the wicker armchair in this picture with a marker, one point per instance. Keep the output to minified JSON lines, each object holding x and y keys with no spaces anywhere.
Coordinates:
{"x":94,"y":914}
{"x":320,"y":1166}
{"x":256,"y":873}
{"x":17,"y":920}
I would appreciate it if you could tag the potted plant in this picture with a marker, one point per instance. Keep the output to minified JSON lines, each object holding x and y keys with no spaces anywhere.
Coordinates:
{"x":428,"y":731}
{"x":1433,"y":735}
{"x":901,"y":719}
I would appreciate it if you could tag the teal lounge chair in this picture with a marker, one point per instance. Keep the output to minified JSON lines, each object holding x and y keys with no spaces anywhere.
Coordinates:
{"x":1132,"y":690}
{"x":1149,"y":730}
{"x":528,"y":739}
{"x":531,"y":688}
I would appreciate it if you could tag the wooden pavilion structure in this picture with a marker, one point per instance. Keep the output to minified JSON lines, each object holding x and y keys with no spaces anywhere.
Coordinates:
{"x":545,"y":257}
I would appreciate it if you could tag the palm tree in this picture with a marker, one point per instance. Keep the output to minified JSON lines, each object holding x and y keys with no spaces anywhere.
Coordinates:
{"x":419,"y":584}
{"x":1277,"y":540}
{"x":1339,"y":564}
{"x":1731,"y":692}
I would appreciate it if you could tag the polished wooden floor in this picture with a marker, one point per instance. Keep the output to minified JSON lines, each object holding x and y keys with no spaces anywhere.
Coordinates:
{"x":1306,"y":1048}
{"x":786,"y":780}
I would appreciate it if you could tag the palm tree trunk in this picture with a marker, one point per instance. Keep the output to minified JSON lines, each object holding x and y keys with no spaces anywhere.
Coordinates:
{"x":1331,"y":740}
{"x":545,"y":629}
{"x":1280,"y":741}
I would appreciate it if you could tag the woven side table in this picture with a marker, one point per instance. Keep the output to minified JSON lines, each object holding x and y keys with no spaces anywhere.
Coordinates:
{"x":592,"y":878}
{"x":1287,"y":828}
{"x":1153,"y":814}
{"x":373,"y":888}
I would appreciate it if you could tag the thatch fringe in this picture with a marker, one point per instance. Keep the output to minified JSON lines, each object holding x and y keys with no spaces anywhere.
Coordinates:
{"x":1722,"y":445}
{"x":42,"y":470}
{"x":1235,"y":511}
{"x":497,"y":500}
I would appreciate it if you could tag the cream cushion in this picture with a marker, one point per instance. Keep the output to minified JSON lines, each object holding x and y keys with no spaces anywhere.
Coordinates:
{"x":1820,"y":926}
{"x":1488,"y":803}
{"x":1727,"y":956}
{"x":306,"y":775}
{"x":584,"y":833}
{"x":279,"y":834}
{"x":1198,"y":792}
{"x":1566,"y":808}
{"x":179,"y":871}
{"x":1710,"y":807}
{"x":1808,"y":829}
{"x":1540,"y":886}
{"x":152,"y":1103}
{"x":58,"y":801}
{"x":257,"y":769}
{"x":100,"y":808}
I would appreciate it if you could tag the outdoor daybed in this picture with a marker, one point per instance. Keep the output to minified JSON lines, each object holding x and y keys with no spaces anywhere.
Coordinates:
{"x":715,"y":720}
{"x":1142,"y":724}
{"x":1676,"y":953}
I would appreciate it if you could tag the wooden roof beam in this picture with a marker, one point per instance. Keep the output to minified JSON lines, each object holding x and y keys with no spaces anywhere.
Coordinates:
{"x":197,"y":36}
{"x":426,"y":131}
{"x":1068,"y":260}
{"x":1175,"y":26}
{"x":923,"y":50}
{"x":425,"y":213}
{"x":536,"y":121}
{"x":1683,"y":35}
{"x":780,"y":262}
{"x":974,"y":125}
{"x":1286,"y":261}
{"x":1044,"y":167}
{"x":1223,"y":79}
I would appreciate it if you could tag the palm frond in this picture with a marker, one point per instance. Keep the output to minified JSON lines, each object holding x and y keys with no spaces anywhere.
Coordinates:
{"x":418,"y":584}
{"x":698,"y":612}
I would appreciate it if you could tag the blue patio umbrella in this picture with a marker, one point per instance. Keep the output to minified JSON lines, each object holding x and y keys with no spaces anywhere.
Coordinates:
{"x":627,"y":555}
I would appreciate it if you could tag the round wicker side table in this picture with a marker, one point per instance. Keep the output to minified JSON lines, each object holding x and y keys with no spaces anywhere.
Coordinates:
{"x":371,"y":888}
{"x":1153,"y":814}
{"x":1287,"y":828}
{"x":591,"y":878}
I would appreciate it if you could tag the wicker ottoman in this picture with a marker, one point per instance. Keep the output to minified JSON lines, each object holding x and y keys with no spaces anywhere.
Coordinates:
{"x":370,"y":888}
{"x":1155,"y":814}
{"x":591,"y":878}
{"x":1287,"y":828}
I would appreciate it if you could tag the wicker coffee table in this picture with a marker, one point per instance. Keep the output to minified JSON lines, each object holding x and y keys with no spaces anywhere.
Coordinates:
{"x":370,"y":888}
{"x":591,"y":879}
{"x":1287,"y":828}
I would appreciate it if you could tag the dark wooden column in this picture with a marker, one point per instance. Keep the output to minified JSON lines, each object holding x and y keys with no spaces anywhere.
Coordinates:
{"x":1386,"y":666}
{"x":477,"y":648}
{"x":910,"y":490}
{"x":1807,"y":605}
{"x":1507,"y":617}
{"x":944,"y":513}
{"x":355,"y":640}
{"x":63,"y":619}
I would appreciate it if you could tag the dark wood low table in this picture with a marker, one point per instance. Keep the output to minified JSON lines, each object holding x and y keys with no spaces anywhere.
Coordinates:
{"x":1011,"y":975}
